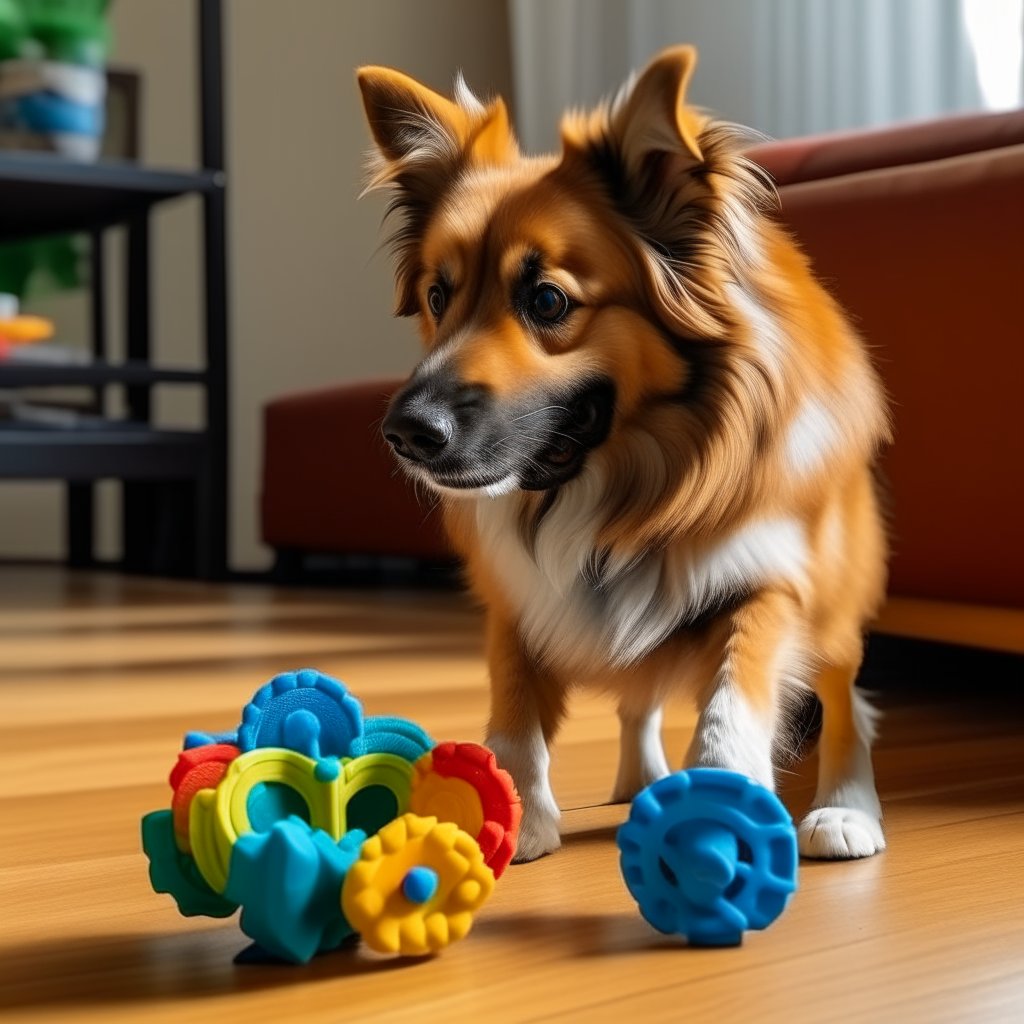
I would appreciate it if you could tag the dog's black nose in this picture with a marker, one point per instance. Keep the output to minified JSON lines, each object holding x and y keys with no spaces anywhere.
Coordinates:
{"x":419,"y":430}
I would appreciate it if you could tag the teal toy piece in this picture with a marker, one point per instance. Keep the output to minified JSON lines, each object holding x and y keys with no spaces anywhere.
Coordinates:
{"x":176,"y":873}
{"x":287,"y":880}
{"x":305,"y":711}
{"x":385,"y":735}
{"x":709,"y":854}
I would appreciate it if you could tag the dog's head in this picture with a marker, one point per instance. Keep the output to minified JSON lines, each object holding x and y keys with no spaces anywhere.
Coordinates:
{"x":562,"y":300}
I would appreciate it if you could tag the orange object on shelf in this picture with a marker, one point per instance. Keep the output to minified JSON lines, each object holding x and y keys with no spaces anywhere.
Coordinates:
{"x":25,"y":330}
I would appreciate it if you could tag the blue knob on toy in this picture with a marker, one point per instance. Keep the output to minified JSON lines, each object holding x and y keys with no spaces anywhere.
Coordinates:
{"x":419,"y":884}
{"x":709,"y":854}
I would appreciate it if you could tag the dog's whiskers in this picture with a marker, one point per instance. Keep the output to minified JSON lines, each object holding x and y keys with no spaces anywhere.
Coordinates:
{"x":537,"y":412}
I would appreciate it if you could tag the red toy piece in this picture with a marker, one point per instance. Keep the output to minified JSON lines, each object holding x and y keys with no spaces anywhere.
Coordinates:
{"x":196,"y":768}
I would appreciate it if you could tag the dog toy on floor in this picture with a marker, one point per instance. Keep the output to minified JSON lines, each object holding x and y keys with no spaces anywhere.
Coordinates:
{"x":709,"y":854}
{"x":322,"y":824}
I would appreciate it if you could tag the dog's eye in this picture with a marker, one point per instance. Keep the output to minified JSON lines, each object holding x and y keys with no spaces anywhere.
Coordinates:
{"x":550,"y":304}
{"x":436,"y":301}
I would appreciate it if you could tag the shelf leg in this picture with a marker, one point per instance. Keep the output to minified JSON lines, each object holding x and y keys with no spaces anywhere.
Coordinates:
{"x":80,"y":523}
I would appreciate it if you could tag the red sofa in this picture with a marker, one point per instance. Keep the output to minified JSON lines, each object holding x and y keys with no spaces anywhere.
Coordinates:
{"x":918,"y":230}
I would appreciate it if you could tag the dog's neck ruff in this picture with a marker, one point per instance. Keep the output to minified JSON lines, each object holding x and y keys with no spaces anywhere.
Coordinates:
{"x":580,"y":612}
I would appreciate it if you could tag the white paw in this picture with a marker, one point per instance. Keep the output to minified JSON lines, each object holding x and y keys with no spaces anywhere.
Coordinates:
{"x":538,"y":835}
{"x":840,"y":833}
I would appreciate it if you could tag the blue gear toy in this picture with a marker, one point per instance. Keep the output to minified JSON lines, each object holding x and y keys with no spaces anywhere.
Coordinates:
{"x":709,"y":854}
{"x":305,"y":711}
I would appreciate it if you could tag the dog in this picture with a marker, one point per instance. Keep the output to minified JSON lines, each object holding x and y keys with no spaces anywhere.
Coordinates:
{"x":651,"y":429}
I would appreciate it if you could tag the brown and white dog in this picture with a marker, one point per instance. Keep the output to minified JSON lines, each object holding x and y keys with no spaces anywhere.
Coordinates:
{"x":651,"y":430}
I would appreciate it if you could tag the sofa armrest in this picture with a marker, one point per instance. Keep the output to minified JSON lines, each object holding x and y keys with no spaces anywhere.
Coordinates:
{"x":815,"y":157}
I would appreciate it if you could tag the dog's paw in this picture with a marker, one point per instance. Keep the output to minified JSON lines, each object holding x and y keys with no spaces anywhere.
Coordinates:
{"x":538,"y":835}
{"x":840,"y":833}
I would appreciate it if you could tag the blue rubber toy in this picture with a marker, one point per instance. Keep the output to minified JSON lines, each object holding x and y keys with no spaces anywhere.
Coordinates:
{"x":709,"y":854}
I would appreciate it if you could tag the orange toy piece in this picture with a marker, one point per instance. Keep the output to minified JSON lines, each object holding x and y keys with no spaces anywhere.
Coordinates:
{"x":461,"y":782}
{"x":196,"y":768}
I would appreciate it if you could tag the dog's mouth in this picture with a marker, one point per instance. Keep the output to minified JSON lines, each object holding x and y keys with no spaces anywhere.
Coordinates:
{"x":531,"y":447}
{"x":573,"y":429}
{"x":581,"y":431}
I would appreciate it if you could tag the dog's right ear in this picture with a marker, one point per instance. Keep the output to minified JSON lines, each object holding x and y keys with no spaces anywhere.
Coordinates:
{"x":422,"y":139}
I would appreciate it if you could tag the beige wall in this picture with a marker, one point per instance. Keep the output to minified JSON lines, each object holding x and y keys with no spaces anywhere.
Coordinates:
{"x":309,"y":301}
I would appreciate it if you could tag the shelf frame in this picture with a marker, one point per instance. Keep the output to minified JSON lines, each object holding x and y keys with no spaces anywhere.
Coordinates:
{"x":97,"y":374}
{"x":162,"y":472}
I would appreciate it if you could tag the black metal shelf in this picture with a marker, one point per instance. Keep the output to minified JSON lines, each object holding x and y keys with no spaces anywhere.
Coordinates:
{"x":45,"y":193}
{"x":174,"y":484}
{"x":93,"y":374}
{"x":127,"y":451}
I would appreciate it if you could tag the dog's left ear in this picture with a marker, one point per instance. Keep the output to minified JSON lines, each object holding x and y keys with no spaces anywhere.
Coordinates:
{"x":646,"y":149}
{"x":648,"y":125}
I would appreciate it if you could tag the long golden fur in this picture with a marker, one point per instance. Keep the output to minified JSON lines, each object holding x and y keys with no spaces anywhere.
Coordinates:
{"x":721,"y":533}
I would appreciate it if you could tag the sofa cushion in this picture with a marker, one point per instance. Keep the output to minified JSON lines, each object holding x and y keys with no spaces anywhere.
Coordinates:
{"x":330,"y":484}
{"x":928,"y":259}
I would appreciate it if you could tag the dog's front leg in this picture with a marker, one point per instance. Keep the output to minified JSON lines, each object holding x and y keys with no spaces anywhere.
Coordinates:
{"x":641,"y":754}
{"x":738,"y":710}
{"x":527,"y":705}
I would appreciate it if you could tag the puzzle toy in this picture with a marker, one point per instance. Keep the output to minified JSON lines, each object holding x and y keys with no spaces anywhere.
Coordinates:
{"x":321,"y":824}
{"x":709,"y":854}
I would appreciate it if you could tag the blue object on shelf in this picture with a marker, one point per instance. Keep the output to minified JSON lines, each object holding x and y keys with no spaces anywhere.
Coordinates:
{"x":44,"y":112}
{"x":288,"y":881}
{"x":709,"y":854}
{"x":305,"y":711}
{"x":383,"y":734}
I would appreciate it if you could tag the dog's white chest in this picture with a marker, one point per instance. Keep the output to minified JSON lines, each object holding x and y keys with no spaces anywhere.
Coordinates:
{"x":578,"y":620}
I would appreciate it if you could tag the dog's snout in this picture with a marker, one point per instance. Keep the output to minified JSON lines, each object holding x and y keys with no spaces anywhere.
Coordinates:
{"x":434,"y":416}
{"x":419,"y":430}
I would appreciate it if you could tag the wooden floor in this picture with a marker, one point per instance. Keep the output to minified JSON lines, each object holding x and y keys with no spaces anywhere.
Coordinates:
{"x":100,"y":677}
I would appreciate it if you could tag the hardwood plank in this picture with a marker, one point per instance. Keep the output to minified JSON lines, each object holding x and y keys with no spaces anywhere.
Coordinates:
{"x":105,"y":674}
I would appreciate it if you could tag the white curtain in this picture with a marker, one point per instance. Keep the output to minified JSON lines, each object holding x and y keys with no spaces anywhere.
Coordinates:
{"x":785,"y":67}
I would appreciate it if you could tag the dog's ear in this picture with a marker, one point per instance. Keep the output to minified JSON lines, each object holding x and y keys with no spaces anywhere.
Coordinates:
{"x":647,"y":129}
{"x":410,"y":122}
{"x":645,"y":147}
{"x":652,"y":120}
{"x":422,"y":139}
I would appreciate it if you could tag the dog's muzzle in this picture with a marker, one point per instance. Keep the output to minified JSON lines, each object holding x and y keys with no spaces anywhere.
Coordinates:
{"x":459,"y":436}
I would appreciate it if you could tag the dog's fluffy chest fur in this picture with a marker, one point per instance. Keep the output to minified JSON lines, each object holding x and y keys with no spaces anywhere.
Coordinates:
{"x":579,"y":612}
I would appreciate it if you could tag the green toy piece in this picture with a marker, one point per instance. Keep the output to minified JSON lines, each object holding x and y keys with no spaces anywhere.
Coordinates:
{"x":176,"y":873}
